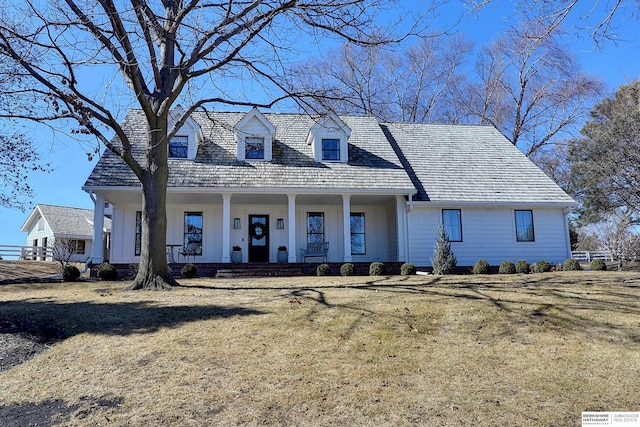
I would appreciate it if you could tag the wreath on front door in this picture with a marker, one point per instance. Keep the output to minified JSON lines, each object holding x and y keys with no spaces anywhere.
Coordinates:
{"x":258,"y":230}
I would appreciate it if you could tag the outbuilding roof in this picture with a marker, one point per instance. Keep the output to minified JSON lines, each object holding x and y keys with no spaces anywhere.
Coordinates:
{"x":65,"y":221}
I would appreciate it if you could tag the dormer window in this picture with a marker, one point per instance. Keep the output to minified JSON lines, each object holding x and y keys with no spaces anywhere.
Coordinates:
{"x":331,"y":149}
{"x":179,"y":147}
{"x":329,"y":139}
{"x":255,"y":136}
{"x":254,"y":148}
{"x":184,"y":143}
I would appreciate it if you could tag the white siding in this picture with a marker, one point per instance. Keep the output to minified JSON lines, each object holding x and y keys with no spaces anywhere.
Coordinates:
{"x":378,"y":230}
{"x":392,"y":232}
{"x":39,"y":232}
{"x":489,"y":233}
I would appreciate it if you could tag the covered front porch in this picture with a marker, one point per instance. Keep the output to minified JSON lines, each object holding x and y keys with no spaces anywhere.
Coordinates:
{"x":206,"y":227}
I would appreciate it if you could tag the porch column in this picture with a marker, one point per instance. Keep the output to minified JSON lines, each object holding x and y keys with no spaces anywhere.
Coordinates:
{"x":346,"y":227}
{"x":292,"y":228}
{"x":226,"y":226}
{"x":97,"y":252}
{"x":402,"y":228}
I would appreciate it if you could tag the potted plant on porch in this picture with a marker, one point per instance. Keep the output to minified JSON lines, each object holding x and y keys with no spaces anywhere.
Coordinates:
{"x":283,"y":254}
{"x":236,"y":255}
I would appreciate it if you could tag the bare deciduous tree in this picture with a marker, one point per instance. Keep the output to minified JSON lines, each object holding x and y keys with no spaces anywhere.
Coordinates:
{"x":598,"y":18}
{"x":63,"y":250}
{"x":530,"y":88}
{"x":18,"y":155}
{"x":164,"y":52}
{"x":412,"y":85}
{"x":618,"y":239}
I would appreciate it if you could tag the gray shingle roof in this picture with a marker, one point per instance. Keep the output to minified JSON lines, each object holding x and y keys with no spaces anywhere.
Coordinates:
{"x":66,"y":221}
{"x":445,"y":163}
{"x":373,"y":164}
{"x":465,"y":163}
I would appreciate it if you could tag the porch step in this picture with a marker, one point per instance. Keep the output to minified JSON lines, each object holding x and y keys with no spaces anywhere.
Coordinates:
{"x":258,"y":272}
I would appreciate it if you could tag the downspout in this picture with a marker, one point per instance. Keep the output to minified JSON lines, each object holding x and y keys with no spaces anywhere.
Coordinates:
{"x":408,"y":228}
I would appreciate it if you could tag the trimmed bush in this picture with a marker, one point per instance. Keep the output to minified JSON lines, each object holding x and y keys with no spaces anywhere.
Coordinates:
{"x":70,"y":273}
{"x":541,"y":266}
{"x":189,"y":271}
{"x":507,"y":267}
{"x":323,"y":270}
{"x":598,"y":265}
{"x":522,"y":267}
{"x":481,"y":267}
{"x":571,"y":265}
{"x":376,"y":269}
{"x":347,"y":269}
{"x":407,"y":269}
{"x":108,"y":272}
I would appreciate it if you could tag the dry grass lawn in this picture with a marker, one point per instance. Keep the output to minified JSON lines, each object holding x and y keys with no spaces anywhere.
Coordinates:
{"x":457,"y":350}
{"x":22,"y":269}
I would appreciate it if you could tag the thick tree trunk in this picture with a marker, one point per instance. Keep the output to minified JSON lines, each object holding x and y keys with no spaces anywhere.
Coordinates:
{"x":154,"y":273}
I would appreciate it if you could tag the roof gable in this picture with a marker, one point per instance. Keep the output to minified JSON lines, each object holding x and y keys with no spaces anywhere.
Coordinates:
{"x":65,"y":221}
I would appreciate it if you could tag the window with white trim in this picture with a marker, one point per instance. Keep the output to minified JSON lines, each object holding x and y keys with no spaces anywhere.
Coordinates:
{"x":315,"y":227}
{"x":192,"y":233}
{"x":179,"y":147}
{"x":452,"y":221}
{"x":358,"y":244}
{"x":330,"y":149}
{"x":138,"y":234}
{"x":254,"y":148}
{"x":524,"y":226}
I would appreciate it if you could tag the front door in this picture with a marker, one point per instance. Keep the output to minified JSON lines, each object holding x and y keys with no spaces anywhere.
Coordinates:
{"x":258,"y":238}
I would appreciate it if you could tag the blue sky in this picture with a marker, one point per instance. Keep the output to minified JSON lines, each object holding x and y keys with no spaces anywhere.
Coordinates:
{"x":615,"y":63}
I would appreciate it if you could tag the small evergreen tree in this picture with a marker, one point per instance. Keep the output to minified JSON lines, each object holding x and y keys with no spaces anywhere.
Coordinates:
{"x":443,"y":260}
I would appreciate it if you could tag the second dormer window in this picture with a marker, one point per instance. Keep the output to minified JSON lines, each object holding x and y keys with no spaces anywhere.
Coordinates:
{"x":330,"y":149}
{"x":179,"y":147}
{"x":254,"y":148}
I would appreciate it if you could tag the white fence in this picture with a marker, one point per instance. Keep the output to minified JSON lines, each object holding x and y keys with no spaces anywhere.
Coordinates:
{"x":586,"y":256}
{"x":39,"y":253}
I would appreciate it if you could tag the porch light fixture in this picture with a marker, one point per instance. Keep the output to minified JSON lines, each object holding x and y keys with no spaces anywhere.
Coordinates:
{"x":280,"y":224}
{"x":236,"y":223}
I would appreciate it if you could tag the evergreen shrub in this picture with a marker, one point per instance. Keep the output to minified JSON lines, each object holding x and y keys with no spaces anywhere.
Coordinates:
{"x":407,"y":269}
{"x":541,"y":266}
{"x":571,"y":264}
{"x":347,"y":269}
{"x":443,"y":259}
{"x":522,"y":267}
{"x":70,"y":273}
{"x":507,"y":267}
{"x":323,"y":270}
{"x":376,"y":269}
{"x":189,"y":271}
{"x":107,"y":272}
{"x":598,"y":265}
{"x":481,"y":267}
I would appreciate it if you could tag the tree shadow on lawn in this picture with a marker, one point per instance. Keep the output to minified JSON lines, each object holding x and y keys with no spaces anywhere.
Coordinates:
{"x":579,"y":305}
{"x":52,"y":321}
{"x":546,"y":302}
